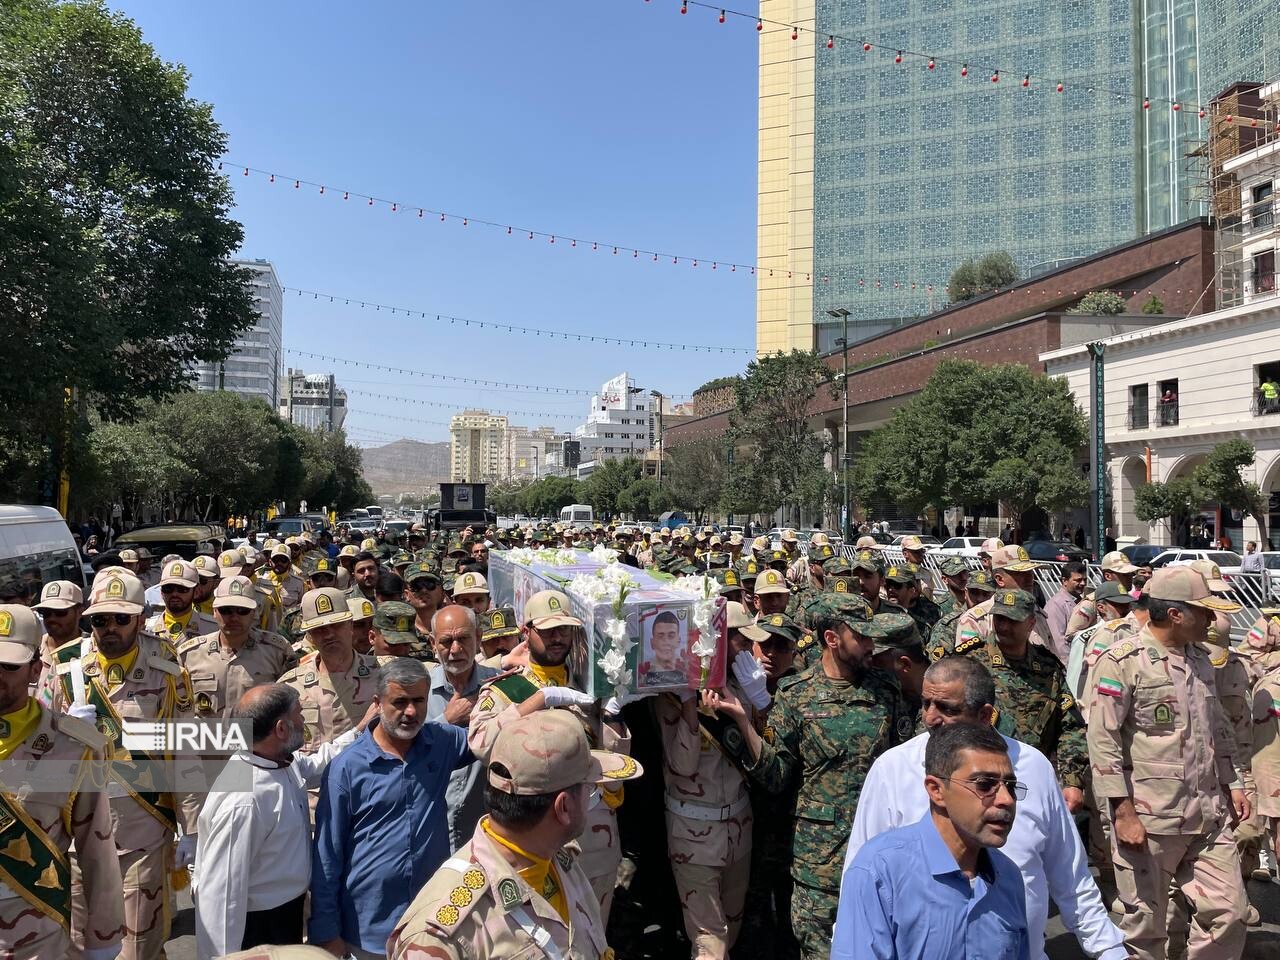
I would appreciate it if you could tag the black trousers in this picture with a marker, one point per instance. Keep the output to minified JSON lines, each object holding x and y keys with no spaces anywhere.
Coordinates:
{"x":280,"y":925}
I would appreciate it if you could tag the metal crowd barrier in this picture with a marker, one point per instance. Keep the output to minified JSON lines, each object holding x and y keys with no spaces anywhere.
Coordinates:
{"x":1251,"y":590}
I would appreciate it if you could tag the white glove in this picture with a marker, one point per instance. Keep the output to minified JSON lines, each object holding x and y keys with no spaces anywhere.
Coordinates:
{"x":186,"y":852}
{"x":89,"y":714}
{"x":613,"y":706}
{"x":109,"y":952}
{"x":751,"y":679}
{"x":566,"y":697}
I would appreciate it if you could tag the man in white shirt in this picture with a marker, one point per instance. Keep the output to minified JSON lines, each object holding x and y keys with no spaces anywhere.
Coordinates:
{"x":1043,"y":841}
{"x":253,"y":864}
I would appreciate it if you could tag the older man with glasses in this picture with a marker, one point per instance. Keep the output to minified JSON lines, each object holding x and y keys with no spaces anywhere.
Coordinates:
{"x":1043,"y":843}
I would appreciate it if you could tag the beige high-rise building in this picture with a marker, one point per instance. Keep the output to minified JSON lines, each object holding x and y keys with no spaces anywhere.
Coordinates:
{"x":477,"y":447}
{"x":784,"y":289}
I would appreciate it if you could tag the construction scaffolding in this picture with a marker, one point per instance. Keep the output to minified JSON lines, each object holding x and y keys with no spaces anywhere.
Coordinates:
{"x":1239,"y":167}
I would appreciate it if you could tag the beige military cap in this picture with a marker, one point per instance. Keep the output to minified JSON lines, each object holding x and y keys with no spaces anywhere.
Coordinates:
{"x":547,"y":751}
{"x":60,"y":595}
{"x":819,"y":539}
{"x":735,"y":539}
{"x":206,"y":566}
{"x":788,"y":536}
{"x":281,"y":551}
{"x":912,"y":543}
{"x":19,"y":633}
{"x":1212,"y":574}
{"x":991,"y":545}
{"x":270,"y":544}
{"x":120,"y":592}
{"x":771,"y":581}
{"x":1117,"y":562}
{"x":181,"y":573}
{"x":470,"y":584}
{"x":323,"y":606}
{"x":128,"y":556}
{"x":368,"y":544}
{"x":547,"y":609}
{"x":738,"y":618}
{"x":760,"y":543}
{"x":236,"y":592}
{"x":361,"y":609}
{"x":867,"y":542}
{"x":1012,"y":558}
{"x":1185,"y":585}
{"x":348,"y":551}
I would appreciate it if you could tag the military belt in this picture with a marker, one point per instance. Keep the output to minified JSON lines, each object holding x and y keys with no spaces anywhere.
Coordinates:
{"x":705,"y":811}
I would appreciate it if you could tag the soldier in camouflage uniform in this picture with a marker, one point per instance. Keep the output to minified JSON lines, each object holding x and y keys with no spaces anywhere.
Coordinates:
{"x":393,"y":633}
{"x":825,"y":728}
{"x":869,"y":566}
{"x":335,"y":684}
{"x":955,"y":577}
{"x":1116,"y":568}
{"x":1163,"y":759}
{"x":499,"y":634}
{"x":942,"y":639}
{"x":1011,"y":569}
{"x":899,"y":650}
{"x":424,"y":591}
{"x":903,"y":584}
{"x":1032,"y":683}
{"x":47,"y":810}
{"x":1263,"y":644}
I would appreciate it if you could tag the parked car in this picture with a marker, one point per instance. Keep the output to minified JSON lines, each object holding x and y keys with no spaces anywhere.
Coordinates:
{"x":1271,"y":567}
{"x":1141,"y":554}
{"x":36,"y":546}
{"x":187,"y":540}
{"x":1228,"y":561}
{"x":930,"y":542}
{"x":1054,"y":551}
{"x":960,"y":547}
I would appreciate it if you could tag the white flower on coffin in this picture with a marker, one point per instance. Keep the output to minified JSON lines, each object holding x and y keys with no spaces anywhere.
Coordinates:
{"x":617,"y":574}
{"x":604,"y":555}
{"x":590,"y":587}
{"x":614,"y":664}
{"x":617,"y":632}
{"x":522,"y":555}
{"x":699,"y":586}
{"x":705,"y":648}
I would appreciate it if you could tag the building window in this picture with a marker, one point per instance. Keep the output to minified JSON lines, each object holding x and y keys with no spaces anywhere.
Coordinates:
{"x":1262,"y":210}
{"x":1139,"y":407}
{"x":1264,"y":272}
{"x":1167,"y":405}
{"x":1266,"y":393}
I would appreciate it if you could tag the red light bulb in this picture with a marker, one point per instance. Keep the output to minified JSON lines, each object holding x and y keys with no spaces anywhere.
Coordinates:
{"x":898,"y":58}
{"x":1060,"y":88}
{"x":964,"y":71}
{"x":866,"y":47}
{"x":831,"y":42}
{"x":931,"y":63}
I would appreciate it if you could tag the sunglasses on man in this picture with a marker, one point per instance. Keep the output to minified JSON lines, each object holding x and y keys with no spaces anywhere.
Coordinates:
{"x":119,"y":619}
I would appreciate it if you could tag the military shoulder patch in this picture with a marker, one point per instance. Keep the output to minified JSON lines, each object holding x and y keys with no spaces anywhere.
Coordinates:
{"x":1221,"y":661}
{"x":1121,"y":649}
{"x":967,"y":642}
{"x":508,"y":892}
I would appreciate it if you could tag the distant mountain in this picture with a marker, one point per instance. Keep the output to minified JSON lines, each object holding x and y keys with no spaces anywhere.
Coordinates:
{"x":405,"y":466}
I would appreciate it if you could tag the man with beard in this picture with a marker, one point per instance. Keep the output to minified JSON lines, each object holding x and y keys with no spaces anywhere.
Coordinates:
{"x":254,"y":862}
{"x":336,"y":684}
{"x":939,"y":887}
{"x":179,"y":619}
{"x":517,"y":888}
{"x":122,"y":671}
{"x":381,"y":826}
{"x":824,"y":729}
{"x":550,"y":630}
{"x":1044,"y":842}
{"x":455,"y":687}
{"x":61,"y":604}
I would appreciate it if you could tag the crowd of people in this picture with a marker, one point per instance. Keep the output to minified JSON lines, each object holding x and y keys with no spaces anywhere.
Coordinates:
{"x":904,"y":761}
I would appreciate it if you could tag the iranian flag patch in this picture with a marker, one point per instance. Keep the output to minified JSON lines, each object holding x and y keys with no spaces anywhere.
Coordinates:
{"x":1112,"y":688}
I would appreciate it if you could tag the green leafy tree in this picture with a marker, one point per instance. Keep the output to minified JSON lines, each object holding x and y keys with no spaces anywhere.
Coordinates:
{"x":1172,"y":501}
{"x":1221,"y":480}
{"x":114,"y":229}
{"x":963,"y":284}
{"x":333,"y":474}
{"x":1100,"y":303}
{"x":694,"y":475}
{"x":607,"y":482}
{"x":771,"y":429}
{"x":547,"y":496}
{"x":996,"y":270}
{"x":978,"y":433}
{"x":130,"y":464}
{"x":643,"y":499}
{"x":1153,"y":305}
{"x":503,"y":496}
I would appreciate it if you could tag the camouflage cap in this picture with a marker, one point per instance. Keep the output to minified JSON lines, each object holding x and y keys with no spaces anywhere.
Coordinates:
{"x":1117,"y":562}
{"x":547,"y":751}
{"x":394,"y":620}
{"x":498,"y":622}
{"x":779,"y":624}
{"x":1012,"y":558}
{"x":401,"y":558}
{"x":748,"y":570}
{"x":837,"y":565}
{"x":871,"y":560}
{"x":319,"y":565}
{"x":1185,"y":585}
{"x":842,"y":584}
{"x":1013,"y":604}
{"x":891,"y":631}
{"x":990,"y":545}
{"x":420,"y":571}
{"x":953,"y":566}
{"x":848,"y":608}
{"x":821,"y":552}
{"x":1112,"y":592}
{"x":982,"y":580}
{"x":903,"y":573}
{"x":771,"y":581}
{"x":728,"y":580}
{"x":1211,"y":572}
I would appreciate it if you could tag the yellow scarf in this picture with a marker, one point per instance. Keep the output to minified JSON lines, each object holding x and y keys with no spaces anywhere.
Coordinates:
{"x":204,"y":606}
{"x":550,"y":676}
{"x":177,"y":625}
{"x":541,"y":875}
{"x":16,"y":725}
{"x":115,"y":669}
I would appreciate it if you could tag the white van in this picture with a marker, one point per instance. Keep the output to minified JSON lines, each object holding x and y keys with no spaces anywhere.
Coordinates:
{"x":36,"y":547}
{"x":577,"y":515}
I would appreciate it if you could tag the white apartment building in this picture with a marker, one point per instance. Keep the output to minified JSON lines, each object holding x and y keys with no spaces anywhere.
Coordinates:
{"x":253,"y":368}
{"x":533,"y":453}
{"x":619,"y":424}
{"x":477,"y":447}
{"x":1173,"y":392}
{"x":1253,"y":246}
{"x":312,"y":400}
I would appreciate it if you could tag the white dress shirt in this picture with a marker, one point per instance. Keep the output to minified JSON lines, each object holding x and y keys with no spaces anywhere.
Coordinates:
{"x":255,"y":845}
{"x":1043,"y":841}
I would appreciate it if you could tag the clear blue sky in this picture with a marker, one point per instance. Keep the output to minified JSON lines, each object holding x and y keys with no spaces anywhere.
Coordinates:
{"x":620,"y":119}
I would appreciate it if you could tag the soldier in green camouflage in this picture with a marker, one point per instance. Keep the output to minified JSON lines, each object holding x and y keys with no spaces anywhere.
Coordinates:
{"x":808,"y":650}
{"x":902,"y":583}
{"x":825,"y":728}
{"x":1032,"y":683}
{"x":869,"y":566}
{"x":955,"y":577}
{"x":899,"y":651}
{"x":942,"y":639}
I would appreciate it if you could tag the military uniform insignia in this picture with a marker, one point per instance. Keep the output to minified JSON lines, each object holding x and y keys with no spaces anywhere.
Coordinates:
{"x":1110,"y":687}
{"x":115,"y":588}
{"x":309,"y":678}
{"x":904,"y":727}
{"x":323,"y":604}
{"x":497,"y":621}
{"x":115,"y":675}
{"x":474,"y":878}
{"x":203,"y":702}
{"x":1067,"y":702}
{"x":447,"y":915}
{"x":362,"y":671}
{"x":1124,"y":648}
{"x":460,"y":896}
{"x":842,"y":585}
{"x":508,"y":892}
{"x":42,"y":744}
{"x":1222,"y":660}
{"x":6,"y":623}
{"x":553,"y":603}
{"x":938,"y":652}
{"x":1162,"y":713}
{"x":627,"y":769}
{"x":486,"y":703}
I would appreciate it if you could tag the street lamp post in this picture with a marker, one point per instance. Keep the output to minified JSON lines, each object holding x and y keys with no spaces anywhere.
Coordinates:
{"x":534,"y":448}
{"x":843,"y":316}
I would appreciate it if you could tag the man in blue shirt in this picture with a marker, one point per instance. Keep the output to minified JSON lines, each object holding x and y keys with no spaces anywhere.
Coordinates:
{"x":969,"y":899}
{"x":381,"y":827}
